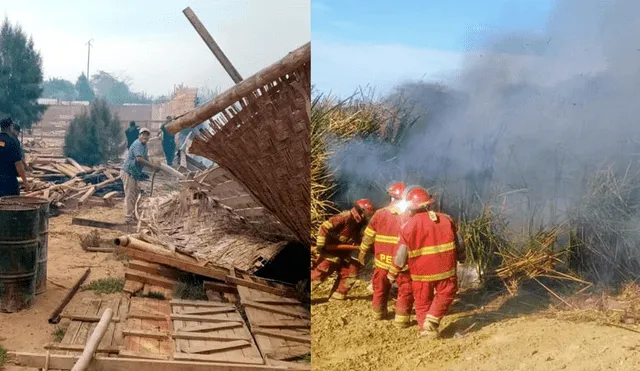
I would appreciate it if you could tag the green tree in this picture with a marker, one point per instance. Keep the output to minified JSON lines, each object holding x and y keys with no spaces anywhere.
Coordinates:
{"x":60,"y":89}
{"x":96,"y":137}
{"x":116,"y":91}
{"x":20,"y":76}
{"x":83,"y":89}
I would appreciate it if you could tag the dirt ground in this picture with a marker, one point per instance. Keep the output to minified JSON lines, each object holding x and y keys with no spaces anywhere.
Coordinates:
{"x":29,"y":330}
{"x":503,"y":333}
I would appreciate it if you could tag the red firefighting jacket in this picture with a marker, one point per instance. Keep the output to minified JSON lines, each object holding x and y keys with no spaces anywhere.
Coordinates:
{"x":383,"y":233}
{"x":430,"y":238}
{"x":342,"y":228}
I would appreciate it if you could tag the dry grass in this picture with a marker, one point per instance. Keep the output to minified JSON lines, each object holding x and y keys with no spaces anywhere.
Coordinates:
{"x":92,"y":239}
{"x":3,"y":355}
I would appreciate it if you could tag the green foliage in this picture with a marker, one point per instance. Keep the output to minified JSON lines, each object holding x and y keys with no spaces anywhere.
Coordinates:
{"x":83,"y":89}
{"x":58,"y":334}
{"x":20,"y":76}
{"x":3,"y":355}
{"x":109,"y":285}
{"x":60,"y":89}
{"x":116,"y":91}
{"x":95,"y":138}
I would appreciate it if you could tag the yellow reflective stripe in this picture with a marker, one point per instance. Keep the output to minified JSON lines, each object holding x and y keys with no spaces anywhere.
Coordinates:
{"x":364,"y":247}
{"x":430,"y":250}
{"x":333,"y":259}
{"x":321,"y":239}
{"x":387,"y":239}
{"x":402,"y":318}
{"x":327,"y":224}
{"x":343,"y":238}
{"x":393,"y":270}
{"x":382,"y":265}
{"x":433,"y":277}
{"x":369,"y":232}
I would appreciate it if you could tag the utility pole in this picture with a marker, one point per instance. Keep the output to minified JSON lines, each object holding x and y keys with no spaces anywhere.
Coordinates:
{"x":88,"y":56}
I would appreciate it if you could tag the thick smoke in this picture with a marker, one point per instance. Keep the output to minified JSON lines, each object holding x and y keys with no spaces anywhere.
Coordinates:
{"x":539,"y":112}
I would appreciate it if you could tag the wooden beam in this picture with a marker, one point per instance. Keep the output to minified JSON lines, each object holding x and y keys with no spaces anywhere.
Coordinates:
{"x":86,"y":318}
{"x":102,"y":225}
{"x":147,"y":316}
{"x":209,"y":327}
{"x":66,"y":362}
{"x":216,"y":273}
{"x":258,"y":286}
{"x":277,"y":334}
{"x":219,"y":347}
{"x":279,"y":310}
{"x":215,"y":319}
{"x":150,"y":279}
{"x":146,"y":334}
{"x":221,"y":287}
{"x":212,"y":45}
{"x":152,"y":268}
{"x":79,"y":348}
{"x":199,"y":303}
{"x":200,"y":336}
{"x":289,"y":63}
{"x":203,"y":311}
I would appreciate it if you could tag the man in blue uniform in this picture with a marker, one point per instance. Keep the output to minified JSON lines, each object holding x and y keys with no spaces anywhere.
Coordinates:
{"x":11,"y":164}
{"x":137,"y":158}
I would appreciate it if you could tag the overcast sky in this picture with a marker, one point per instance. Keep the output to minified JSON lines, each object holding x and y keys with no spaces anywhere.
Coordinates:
{"x":382,"y":43}
{"x":153,"y":43}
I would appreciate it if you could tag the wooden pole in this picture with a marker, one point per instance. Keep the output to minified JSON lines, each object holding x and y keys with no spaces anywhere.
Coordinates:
{"x":94,"y":341}
{"x":55,"y":316}
{"x":291,"y":62}
{"x":212,"y":45}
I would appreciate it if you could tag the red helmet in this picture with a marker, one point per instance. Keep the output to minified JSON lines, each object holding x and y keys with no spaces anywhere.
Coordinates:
{"x":396,"y":190}
{"x":365,"y":206}
{"x":418,"y":198}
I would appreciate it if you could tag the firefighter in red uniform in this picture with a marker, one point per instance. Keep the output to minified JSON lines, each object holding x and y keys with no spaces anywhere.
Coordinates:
{"x":343,"y":228}
{"x":429,"y":245}
{"x":382,"y":232}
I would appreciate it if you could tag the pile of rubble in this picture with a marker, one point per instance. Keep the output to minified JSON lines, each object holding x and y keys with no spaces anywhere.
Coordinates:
{"x":66,"y":183}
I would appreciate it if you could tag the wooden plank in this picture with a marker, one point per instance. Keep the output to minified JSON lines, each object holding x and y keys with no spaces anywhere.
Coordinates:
{"x":222,"y":287}
{"x":279,"y":301}
{"x":235,"y":344}
{"x":199,"y":303}
{"x":234,"y":202}
{"x":146,"y":334}
{"x":80,"y":348}
{"x":221,"y":318}
{"x":201,"y":311}
{"x":151,"y":317}
{"x":103,"y":225}
{"x":252,"y":362}
{"x":149,"y":279}
{"x":212,"y":45}
{"x":75,"y":164}
{"x":155,"y":356}
{"x":281,"y":335}
{"x":252,"y":212}
{"x":279,"y":310}
{"x":260,"y":287}
{"x":86,"y":318}
{"x":199,"y":336}
{"x":211,"y":327}
{"x":152,"y":268}
{"x":217,"y":273}
{"x":296,"y":324}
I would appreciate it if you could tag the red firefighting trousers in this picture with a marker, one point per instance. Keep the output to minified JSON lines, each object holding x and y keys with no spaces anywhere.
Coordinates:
{"x":433,"y":298}
{"x":347,"y":273}
{"x":381,"y":288}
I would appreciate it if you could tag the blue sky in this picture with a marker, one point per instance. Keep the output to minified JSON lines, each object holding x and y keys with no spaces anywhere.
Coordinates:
{"x":153,"y":43}
{"x":382,"y":43}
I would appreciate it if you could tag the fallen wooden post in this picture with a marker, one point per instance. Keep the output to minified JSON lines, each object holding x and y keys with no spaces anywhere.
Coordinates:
{"x":94,"y":341}
{"x":55,"y":316}
{"x":100,"y":224}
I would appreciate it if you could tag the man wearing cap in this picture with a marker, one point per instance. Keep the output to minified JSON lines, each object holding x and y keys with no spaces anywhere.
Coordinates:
{"x":11,"y":164}
{"x":137,"y":157}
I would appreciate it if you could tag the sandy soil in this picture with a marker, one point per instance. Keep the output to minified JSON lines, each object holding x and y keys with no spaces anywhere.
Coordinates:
{"x":29,"y":330}
{"x":519,"y":333}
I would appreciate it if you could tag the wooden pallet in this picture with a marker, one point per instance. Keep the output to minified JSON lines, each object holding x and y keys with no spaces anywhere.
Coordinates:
{"x":212,"y":331}
{"x":84,"y":321}
{"x":280,"y":325}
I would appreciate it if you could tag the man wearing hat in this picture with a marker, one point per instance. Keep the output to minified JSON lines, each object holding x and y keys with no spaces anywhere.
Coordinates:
{"x":137,"y":157}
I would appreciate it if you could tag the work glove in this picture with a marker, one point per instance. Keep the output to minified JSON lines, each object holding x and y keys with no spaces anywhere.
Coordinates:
{"x":361,"y":257}
{"x":391,"y":278}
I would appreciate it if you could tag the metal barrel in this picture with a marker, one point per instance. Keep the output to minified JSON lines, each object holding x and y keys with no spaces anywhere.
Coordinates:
{"x":43,"y":234}
{"x":18,"y":256}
